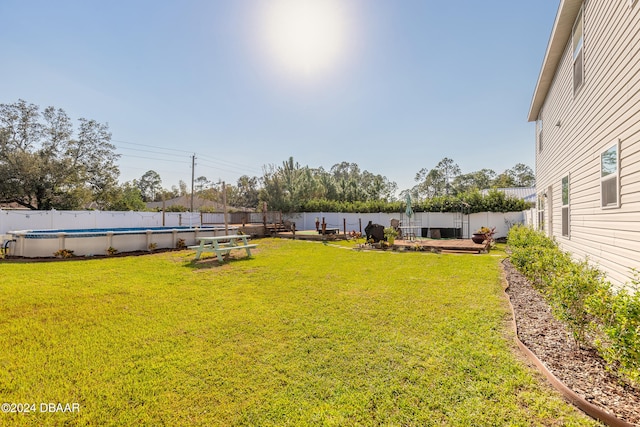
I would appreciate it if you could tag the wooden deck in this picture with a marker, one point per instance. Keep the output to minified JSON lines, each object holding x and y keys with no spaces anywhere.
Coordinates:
{"x":445,"y":245}
{"x":306,"y":235}
{"x":435,"y":245}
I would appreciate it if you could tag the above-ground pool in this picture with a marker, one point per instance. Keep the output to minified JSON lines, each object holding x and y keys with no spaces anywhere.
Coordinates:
{"x":96,"y":241}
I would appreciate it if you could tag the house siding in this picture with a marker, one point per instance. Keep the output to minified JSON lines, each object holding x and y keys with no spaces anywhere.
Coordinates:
{"x":606,"y":109}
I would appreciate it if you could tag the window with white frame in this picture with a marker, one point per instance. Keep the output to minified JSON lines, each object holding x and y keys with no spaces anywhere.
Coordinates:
{"x":578,"y":53}
{"x":539,"y":133}
{"x":565,"y":206}
{"x":610,"y":177}
{"x":541,"y":206}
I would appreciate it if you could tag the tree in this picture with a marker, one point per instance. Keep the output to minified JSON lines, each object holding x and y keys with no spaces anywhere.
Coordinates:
{"x":437,"y":181}
{"x":478,"y":180}
{"x":327,"y":183}
{"x":272,"y":190}
{"x":346,"y":176}
{"x":446,"y":179}
{"x":149,"y":185}
{"x":201,"y":183}
{"x":523,"y":175}
{"x":520,"y":175}
{"x":290,"y":186}
{"x":355,"y":185}
{"x":42,"y":166}
{"x":281,"y":186}
{"x":504,"y":180}
{"x":93,"y":158}
{"x":172,"y":193}
{"x":129,"y":198}
{"x":182,"y":186}
{"x":246,"y":192}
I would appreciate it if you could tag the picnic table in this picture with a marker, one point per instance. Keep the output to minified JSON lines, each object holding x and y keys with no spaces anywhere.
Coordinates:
{"x":222,"y":245}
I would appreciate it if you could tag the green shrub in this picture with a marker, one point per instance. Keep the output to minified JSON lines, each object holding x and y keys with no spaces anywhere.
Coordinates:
{"x":569,"y":291}
{"x":524,"y":236}
{"x":181,"y":244}
{"x":536,"y":256}
{"x":616,"y":335}
{"x":596,"y":314}
{"x":474,"y":201}
{"x":176,"y":208}
{"x":63,"y":253}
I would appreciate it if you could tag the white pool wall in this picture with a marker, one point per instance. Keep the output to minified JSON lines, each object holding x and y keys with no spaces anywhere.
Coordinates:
{"x":96,"y":243}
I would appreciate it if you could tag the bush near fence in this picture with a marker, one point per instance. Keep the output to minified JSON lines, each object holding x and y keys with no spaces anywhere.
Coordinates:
{"x":470,"y":202}
{"x":598,"y":315}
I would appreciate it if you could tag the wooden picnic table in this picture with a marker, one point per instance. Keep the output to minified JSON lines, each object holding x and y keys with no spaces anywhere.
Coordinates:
{"x":222,"y":245}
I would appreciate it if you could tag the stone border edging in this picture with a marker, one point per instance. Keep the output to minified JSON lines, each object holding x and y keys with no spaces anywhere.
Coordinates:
{"x":578,"y":401}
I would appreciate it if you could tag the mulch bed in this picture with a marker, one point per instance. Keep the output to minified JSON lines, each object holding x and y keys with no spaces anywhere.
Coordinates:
{"x":580,"y":369}
{"x":16,"y":259}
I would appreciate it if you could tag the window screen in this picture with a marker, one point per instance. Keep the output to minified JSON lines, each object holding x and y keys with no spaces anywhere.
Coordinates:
{"x":609,"y":177}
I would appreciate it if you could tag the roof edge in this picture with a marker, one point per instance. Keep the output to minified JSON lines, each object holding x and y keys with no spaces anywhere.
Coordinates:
{"x":562,"y":28}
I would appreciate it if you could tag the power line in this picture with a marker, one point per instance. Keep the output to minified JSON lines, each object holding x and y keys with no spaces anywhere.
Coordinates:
{"x":154,"y":158}
{"x":217,"y":167}
{"x":151,"y":146}
{"x":144,"y":151}
{"x":237,"y":167}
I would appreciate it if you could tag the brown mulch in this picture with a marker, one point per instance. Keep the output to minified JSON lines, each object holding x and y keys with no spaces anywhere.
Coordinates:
{"x":582,"y":370}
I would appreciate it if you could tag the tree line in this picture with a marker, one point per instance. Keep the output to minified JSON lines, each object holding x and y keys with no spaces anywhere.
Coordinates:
{"x":48,"y":163}
{"x":45,"y":163}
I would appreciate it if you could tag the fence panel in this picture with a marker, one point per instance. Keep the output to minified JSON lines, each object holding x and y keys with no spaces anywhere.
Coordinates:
{"x":11,"y":220}
{"x":427,"y":220}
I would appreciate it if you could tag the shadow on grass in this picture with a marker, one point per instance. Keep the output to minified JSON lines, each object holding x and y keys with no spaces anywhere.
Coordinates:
{"x":211,"y":261}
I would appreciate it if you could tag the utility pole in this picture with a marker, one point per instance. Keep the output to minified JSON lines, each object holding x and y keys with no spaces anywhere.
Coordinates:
{"x":224,"y":204}
{"x":193,"y":175}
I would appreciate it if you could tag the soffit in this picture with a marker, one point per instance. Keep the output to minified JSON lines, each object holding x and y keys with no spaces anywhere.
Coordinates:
{"x":562,"y":27}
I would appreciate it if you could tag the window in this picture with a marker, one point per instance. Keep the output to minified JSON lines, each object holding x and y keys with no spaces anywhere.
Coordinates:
{"x":610,"y":177}
{"x":548,"y":204}
{"x":565,"y":206}
{"x":541,"y":211}
{"x":578,"y":54}
{"x":539,"y":133}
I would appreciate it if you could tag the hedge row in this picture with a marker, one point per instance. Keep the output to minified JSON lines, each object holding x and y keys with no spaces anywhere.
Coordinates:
{"x":470,"y":202}
{"x":598,"y":315}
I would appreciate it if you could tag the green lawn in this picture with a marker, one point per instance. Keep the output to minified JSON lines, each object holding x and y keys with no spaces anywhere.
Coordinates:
{"x":301,"y":334}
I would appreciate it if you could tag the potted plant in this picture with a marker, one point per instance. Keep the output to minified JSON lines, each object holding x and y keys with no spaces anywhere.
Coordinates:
{"x":390,"y":234}
{"x":482,"y":234}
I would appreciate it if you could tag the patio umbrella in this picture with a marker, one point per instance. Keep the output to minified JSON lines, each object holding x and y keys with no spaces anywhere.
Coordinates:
{"x":409,"y":210}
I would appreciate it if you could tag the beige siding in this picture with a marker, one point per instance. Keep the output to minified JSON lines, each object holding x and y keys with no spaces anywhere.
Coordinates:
{"x":606,"y":109}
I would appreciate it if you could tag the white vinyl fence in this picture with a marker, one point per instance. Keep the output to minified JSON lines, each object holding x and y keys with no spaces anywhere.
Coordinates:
{"x":531,"y":218}
{"x":425,"y":220}
{"x":14,"y":220}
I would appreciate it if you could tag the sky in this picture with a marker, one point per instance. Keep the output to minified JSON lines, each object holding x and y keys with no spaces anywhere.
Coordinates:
{"x":393,"y":86}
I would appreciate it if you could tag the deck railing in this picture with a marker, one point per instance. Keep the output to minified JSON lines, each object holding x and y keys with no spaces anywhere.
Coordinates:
{"x":216,"y":218}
